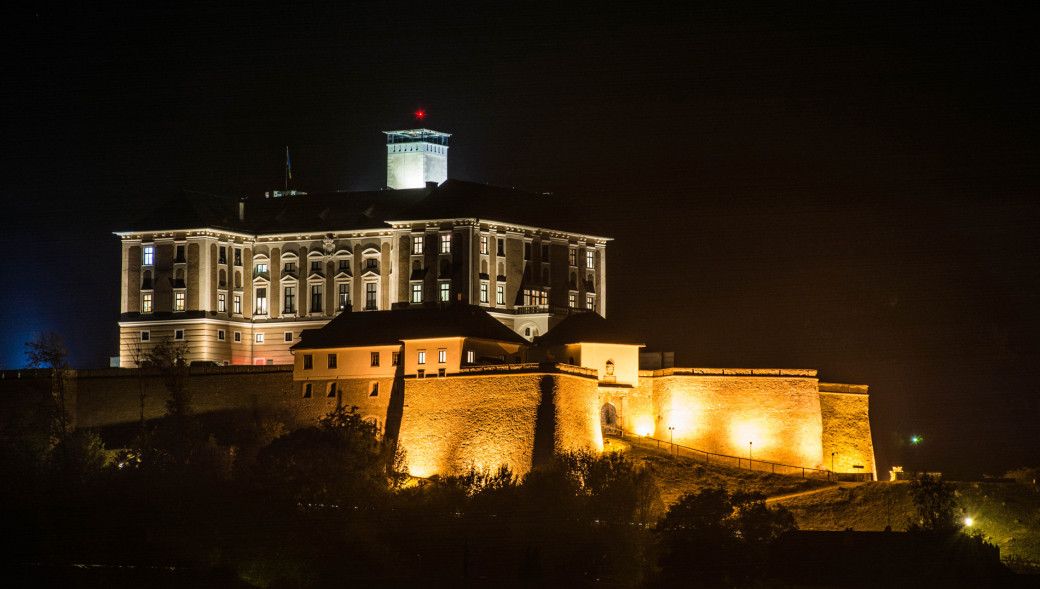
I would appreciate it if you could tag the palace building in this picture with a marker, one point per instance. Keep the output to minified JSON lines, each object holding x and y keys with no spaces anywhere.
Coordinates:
{"x":238,"y":280}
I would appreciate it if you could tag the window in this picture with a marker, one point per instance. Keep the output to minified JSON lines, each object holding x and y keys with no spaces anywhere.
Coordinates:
{"x":178,"y":334}
{"x":422,"y":357}
{"x":290,"y":299}
{"x":501,"y":247}
{"x":374,"y":390}
{"x":545,"y":252}
{"x":420,"y":373}
{"x":535,"y":298}
{"x":316,"y":266}
{"x":527,"y":332}
{"x":222,"y":303}
{"x":238,"y":256}
{"x":416,"y":292}
{"x":307,"y":390}
{"x":371,"y":263}
{"x":149,"y":256}
{"x":332,"y":390}
{"x":222,"y":256}
{"x":471,"y":356}
{"x":375,"y":359}
{"x":261,"y":301}
{"x":440,"y":373}
{"x":395,"y":357}
{"x":332,"y":361}
{"x":179,"y":254}
{"x":308,"y":361}
{"x":238,"y":336}
{"x":417,"y":245}
{"x":178,"y":301}
{"x":446,"y":243}
{"x":146,"y":302}
{"x":344,"y":296}
{"x":484,"y":244}
{"x":290,"y":267}
{"x":590,"y":259}
{"x":445,"y":292}
{"x":344,"y":265}
{"x":590,"y":302}
{"x":483,"y":292}
{"x":442,"y":356}
{"x":572,"y":257}
{"x":315,"y":298}
{"x":527,"y":250}
{"x":259,"y":338}
{"x":220,"y":335}
{"x":500,"y":295}
{"x":370,"y":296}
{"x":261,"y":268}
{"x":287,"y":336}
{"x":146,"y":336}
{"x":572,"y":300}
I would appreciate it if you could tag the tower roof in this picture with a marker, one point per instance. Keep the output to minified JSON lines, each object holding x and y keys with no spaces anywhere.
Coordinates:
{"x":417,"y":135}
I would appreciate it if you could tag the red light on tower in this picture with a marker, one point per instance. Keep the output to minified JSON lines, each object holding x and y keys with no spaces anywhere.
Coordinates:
{"x":420,"y":114}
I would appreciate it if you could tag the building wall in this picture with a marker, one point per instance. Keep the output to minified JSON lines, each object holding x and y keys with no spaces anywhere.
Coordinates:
{"x":846,"y":428}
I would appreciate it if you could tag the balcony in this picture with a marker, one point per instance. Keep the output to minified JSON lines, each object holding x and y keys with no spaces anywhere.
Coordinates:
{"x":529,"y":309}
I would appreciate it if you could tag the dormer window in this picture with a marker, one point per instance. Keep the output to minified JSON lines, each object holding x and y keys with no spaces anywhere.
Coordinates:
{"x":417,"y":245}
{"x":445,"y":243}
{"x":261,"y":268}
{"x":371,"y":263}
{"x":179,"y":259}
{"x":149,"y":255}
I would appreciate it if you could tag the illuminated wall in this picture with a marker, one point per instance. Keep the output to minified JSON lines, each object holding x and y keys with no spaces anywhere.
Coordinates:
{"x":450,"y":424}
{"x":846,"y":428}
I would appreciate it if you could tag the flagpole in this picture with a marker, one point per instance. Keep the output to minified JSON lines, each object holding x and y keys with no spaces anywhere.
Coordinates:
{"x":287,"y":168}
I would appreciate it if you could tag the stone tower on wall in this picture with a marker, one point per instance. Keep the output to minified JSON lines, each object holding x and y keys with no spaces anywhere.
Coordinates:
{"x":415,"y":157}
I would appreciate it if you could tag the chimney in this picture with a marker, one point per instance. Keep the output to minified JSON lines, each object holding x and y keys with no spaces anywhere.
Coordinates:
{"x":241,"y":210}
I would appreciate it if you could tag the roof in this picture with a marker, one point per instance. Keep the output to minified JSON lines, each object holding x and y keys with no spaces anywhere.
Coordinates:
{"x":586,"y":328}
{"x":373,"y":328}
{"x":458,"y":199}
{"x":191,"y":210}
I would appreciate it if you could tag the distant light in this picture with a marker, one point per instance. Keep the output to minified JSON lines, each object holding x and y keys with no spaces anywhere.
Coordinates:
{"x":420,"y":114}
{"x":968,"y":521}
{"x":915,"y":439}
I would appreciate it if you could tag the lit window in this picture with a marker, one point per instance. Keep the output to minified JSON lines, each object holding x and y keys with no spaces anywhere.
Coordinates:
{"x":222,"y":303}
{"x":446,"y":243}
{"x":315,"y":298}
{"x":146,"y":302}
{"x":287,"y":336}
{"x":590,"y":302}
{"x":307,"y":390}
{"x":417,"y":245}
{"x":290,"y":299}
{"x":259,"y":338}
{"x":261,"y":301}
{"x":332,"y":389}
{"x":178,"y":334}
{"x":146,"y":336}
{"x":370,"y":296}
{"x":445,"y":291}
{"x":395,"y":357}
{"x":422,"y":357}
{"x":416,"y":293}
{"x":483,"y":292}
{"x":375,"y":359}
{"x":308,"y":361}
{"x":178,"y":301}
{"x":344,"y":296}
{"x":590,"y":259}
{"x":471,"y":356}
{"x":484,"y":244}
{"x":261,"y":268}
{"x":237,"y":301}
{"x":220,"y":334}
{"x":500,"y":295}
{"x":572,"y":257}
{"x":572,"y":300}
{"x":332,"y":360}
{"x":238,"y":336}
{"x":442,"y":356}
{"x":149,"y":255}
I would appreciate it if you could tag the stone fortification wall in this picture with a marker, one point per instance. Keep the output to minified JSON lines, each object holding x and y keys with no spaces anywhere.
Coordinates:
{"x":722,"y":410}
{"x":846,"y":428}
{"x":485,"y":420}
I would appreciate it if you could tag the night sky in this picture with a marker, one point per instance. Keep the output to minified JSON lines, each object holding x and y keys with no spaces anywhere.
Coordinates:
{"x":850,"y":188}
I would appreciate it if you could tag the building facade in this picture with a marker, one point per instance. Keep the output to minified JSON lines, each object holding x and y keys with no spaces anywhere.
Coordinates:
{"x":237,"y":281}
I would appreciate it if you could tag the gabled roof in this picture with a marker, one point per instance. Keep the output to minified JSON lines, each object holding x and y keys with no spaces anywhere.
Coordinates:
{"x":588,"y":328}
{"x":458,"y":199}
{"x":373,"y":328}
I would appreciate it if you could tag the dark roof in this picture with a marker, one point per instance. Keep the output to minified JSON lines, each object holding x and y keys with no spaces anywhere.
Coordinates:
{"x":191,"y":210}
{"x":458,"y":199}
{"x":589,"y":328}
{"x":371,"y":328}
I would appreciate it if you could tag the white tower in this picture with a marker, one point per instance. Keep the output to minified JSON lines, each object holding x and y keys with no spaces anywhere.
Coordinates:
{"x":415,"y":157}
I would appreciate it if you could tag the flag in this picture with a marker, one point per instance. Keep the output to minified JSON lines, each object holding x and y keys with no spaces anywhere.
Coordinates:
{"x":288,"y":164}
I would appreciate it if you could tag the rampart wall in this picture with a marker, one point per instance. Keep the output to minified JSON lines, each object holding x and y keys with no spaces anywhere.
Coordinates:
{"x":844,"y":409}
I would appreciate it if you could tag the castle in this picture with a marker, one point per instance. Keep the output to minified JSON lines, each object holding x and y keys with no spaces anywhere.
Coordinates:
{"x":467,"y":321}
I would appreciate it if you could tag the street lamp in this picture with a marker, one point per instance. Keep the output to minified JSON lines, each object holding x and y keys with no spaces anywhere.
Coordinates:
{"x":832,"y":461}
{"x":749,"y":455}
{"x":671,"y":437}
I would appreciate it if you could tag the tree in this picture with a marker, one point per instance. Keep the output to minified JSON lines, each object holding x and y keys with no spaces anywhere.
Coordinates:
{"x":934,"y":504}
{"x":47,"y":351}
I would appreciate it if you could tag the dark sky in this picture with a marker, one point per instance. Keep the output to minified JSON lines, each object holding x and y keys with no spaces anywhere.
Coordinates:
{"x":849,"y":187}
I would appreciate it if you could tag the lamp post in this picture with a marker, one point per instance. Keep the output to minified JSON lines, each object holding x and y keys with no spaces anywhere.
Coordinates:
{"x":749,"y":455}
{"x":671,"y":437}
{"x":832,"y":461}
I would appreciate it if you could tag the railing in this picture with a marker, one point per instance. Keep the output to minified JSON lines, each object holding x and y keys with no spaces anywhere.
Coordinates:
{"x":727,"y":460}
{"x":527,"y":309}
{"x":528,"y":367}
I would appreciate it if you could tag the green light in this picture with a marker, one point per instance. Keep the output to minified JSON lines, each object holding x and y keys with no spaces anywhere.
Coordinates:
{"x":915,"y":439}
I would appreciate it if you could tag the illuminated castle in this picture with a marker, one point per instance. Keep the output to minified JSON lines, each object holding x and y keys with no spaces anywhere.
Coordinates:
{"x":466,"y":320}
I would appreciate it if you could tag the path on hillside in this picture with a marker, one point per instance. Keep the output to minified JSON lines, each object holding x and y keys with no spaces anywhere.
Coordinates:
{"x":776,"y":498}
